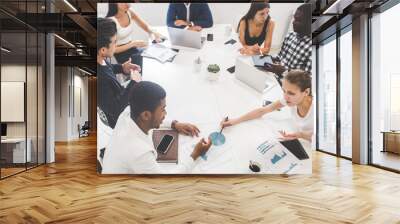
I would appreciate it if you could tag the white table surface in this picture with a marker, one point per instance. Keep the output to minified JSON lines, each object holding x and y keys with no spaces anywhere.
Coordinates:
{"x":192,"y":98}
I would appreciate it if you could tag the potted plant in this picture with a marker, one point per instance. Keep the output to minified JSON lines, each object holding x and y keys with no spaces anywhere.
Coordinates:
{"x":213,"y":72}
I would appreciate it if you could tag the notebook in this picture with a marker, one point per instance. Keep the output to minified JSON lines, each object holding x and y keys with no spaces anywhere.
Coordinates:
{"x":172,"y":154}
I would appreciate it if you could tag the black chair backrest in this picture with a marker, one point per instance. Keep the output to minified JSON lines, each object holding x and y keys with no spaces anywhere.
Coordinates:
{"x":102,"y":152}
{"x":86,"y":125}
{"x":99,"y":167}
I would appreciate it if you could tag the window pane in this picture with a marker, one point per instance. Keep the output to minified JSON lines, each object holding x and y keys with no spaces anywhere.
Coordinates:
{"x":13,"y":85}
{"x":346,"y":94}
{"x":327,"y":97}
{"x":385,"y":89}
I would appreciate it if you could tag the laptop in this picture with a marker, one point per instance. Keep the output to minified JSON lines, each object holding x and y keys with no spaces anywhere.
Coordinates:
{"x":185,"y":38}
{"x":252,"y":76}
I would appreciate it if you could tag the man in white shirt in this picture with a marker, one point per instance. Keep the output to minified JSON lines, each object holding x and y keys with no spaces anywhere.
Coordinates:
{"x":131,"y":149}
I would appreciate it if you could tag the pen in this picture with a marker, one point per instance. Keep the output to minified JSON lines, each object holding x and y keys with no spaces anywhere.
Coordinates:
{"x":226,"y":119}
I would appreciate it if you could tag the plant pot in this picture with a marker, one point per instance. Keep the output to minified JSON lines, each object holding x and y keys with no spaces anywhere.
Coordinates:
{"x":211,"y":76}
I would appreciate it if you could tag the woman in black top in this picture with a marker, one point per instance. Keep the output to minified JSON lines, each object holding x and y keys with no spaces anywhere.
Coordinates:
{"x":256,"y":28}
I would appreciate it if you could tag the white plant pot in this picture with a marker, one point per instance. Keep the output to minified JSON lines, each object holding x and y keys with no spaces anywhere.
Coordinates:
{"x":213,"y":76}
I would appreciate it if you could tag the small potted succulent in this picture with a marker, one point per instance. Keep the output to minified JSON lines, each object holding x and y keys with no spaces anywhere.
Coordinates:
{"x":213,"y":72}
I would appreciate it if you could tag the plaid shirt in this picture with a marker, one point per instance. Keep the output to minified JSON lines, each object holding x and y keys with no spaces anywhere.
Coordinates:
{"x":296,"y":52}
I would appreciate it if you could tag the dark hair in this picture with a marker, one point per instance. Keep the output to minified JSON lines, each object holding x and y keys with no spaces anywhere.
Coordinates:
{"x":254,"y":8}
{"x":300,"y":78}
{"x":106,"y":29}
{"x":305,"y":10}
{"x":145,"y":96}
{"x":112,"y":9}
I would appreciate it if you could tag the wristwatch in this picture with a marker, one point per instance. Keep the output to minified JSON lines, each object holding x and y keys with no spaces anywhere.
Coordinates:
{"x":173,"y":123}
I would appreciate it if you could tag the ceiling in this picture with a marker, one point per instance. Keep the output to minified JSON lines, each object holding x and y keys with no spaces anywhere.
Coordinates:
{"x":22,"y":20}
{"x":332,"y":15}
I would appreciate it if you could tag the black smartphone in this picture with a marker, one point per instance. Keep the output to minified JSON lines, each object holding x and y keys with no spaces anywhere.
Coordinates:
{"x":210,"y":37}
{"x":267,"y":102}
{"x":231,"y":69}
{"x":162,"y":40}
{"x":231,"y":41}
{"x":165,"y":144}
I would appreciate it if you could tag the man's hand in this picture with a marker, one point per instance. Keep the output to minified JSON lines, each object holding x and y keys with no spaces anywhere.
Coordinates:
{"x":128,"y":66}
{"x":180,"y":22}
{"x":195,"y":28}
{"x":187,"y":129}
{"x":276,"y":60}
{"x":275,"y":68}
{"x":201,"y":148}
{"x":288,"y":136}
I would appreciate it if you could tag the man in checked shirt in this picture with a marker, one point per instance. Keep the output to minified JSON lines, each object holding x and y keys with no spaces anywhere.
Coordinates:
{"x":296,"y":49}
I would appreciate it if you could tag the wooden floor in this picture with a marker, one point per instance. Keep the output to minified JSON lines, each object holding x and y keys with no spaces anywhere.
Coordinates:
{"x":70,"y":191}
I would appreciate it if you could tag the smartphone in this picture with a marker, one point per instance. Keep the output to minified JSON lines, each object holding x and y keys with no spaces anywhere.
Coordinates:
{"x":165,"y":144}
{"x":231,"y":41}
{"x":210,"y":37}
{"x":231,"y":69}
{"x":266,"y":103}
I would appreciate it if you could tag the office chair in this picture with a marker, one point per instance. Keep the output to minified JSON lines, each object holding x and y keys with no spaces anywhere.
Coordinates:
{"x":84,"y":130}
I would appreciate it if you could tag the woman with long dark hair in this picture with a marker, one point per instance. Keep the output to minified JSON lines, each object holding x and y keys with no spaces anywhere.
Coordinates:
{"x":256,"y":28}
{"x":126,"y":46}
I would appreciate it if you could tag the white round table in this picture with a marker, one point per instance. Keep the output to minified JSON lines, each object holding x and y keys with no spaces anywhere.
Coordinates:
{"x":192,"y":98}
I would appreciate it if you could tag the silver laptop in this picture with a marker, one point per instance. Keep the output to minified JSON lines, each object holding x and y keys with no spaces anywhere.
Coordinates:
{"x":252,"y":76}
{"x":185,"y":38}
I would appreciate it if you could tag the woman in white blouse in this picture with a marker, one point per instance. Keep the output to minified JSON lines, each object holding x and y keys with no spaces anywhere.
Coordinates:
{"x":126,"y":46}
{"x":296,"y":86}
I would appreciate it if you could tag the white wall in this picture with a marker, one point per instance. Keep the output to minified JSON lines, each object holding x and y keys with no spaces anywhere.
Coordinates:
{"x":69,"y":82}
{"x":223,"y":13}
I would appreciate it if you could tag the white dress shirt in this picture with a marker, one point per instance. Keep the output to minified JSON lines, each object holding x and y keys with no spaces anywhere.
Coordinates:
{"x":187,"y":11}
{"x":131,"y":151}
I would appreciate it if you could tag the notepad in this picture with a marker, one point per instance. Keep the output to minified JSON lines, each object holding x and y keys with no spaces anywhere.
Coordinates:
{"x":160,"y":53}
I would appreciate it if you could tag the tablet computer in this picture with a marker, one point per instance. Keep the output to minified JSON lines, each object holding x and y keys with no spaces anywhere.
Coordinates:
{"x":295,"y":147}
{"x":260,"y":61}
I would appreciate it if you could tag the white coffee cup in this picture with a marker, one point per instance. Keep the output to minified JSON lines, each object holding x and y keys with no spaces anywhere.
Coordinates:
{"x":197,"y":65}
